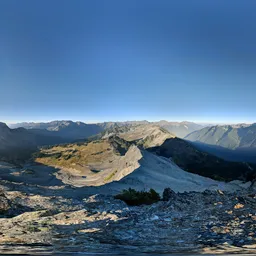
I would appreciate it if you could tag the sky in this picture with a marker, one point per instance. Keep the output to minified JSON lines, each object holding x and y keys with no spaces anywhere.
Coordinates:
{"x":99,"y":60}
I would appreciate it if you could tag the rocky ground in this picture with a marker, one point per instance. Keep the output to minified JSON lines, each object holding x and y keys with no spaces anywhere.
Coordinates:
{"x":211,"y":221}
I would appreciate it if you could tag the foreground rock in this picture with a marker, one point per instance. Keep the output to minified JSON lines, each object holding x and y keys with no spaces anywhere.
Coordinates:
{"x":200,"y":222}
{"x":4,"y":204}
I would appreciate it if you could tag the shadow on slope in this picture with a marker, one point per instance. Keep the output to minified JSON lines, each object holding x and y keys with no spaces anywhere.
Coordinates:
{"x":31,"y":174}
{"x":236,"y":155}
{"x":147,"y":171}
{"x":193,"y":159}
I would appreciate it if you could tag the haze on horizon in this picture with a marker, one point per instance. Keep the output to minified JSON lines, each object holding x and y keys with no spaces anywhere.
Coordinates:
{"x":98,"y":61}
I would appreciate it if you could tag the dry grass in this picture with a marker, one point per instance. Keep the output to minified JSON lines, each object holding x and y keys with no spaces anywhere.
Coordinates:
{"x":74,"y":155}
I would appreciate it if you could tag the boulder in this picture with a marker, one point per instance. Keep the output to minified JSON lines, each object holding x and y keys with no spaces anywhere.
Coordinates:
{"x":168,"y":194}
{"x":4,"y":203}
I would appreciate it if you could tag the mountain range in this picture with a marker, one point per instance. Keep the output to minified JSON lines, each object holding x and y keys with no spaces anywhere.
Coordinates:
{"x":80,"y":130}
{"x":232,"y":142}
{"x":86,"y":158}
{"x":201,"y":152}
{"x":180,"y":129}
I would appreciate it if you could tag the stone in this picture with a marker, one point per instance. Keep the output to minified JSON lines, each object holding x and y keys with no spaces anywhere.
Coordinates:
{"x":168,"y":194}
{"x":155,"y":217}
{"x":220,"y":192}
{"x":238,"y":206}
{"x":4,"y":203}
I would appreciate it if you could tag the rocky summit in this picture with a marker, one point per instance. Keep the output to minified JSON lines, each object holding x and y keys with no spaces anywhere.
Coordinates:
{"x":203,"y":222}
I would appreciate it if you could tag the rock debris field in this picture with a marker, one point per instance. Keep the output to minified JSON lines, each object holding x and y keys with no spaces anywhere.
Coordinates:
{"x":198,"y":222}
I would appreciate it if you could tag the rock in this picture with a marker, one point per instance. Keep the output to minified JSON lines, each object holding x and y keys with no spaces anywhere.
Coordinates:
{"x":4,"y":203}
{"x":155,"y":217}
{"x":238,"y":206}
{"x":168,"y":194}
{"x":220,"y":192}
{"x":182,"y":222}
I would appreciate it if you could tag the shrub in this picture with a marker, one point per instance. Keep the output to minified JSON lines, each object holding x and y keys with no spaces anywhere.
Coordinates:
{"x":133,"y":197}
{"x":110,"y":176}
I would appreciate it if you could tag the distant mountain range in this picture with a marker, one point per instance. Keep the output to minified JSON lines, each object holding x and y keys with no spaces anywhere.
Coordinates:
{"x":66,"y":129}
{"x":180,"y":129}
{"x":80,"y":130}
{"x":232,"y":142}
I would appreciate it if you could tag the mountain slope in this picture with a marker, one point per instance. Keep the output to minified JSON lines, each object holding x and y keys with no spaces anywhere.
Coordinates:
{"x":147,"y":136}
{"x":144,"y":135}
{"x":67,"y":129}
{"x":227,"y":136}
{"x":180,"y":129}
{"x":236,"y":142}
{"x":112,"y":164}
{"x":18,"y":144}
{"x":191,"y":159}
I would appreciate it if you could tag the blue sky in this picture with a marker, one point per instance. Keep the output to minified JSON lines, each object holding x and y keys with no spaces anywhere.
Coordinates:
{"x":128,"y":60}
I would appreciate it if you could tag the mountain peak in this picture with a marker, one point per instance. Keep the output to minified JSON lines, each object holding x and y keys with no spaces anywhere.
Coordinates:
{"x":3,"y":126}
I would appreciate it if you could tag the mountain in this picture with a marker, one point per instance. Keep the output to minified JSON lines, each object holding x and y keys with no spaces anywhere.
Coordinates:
{"x":146,"y":136}
{"x":194,"y":160}
{"x":17,"y":144}
{"x":80,"y":130}
{"x":65,"y":129}
{"x":233,"y":142}
{"x":113,"y":164}
{"x":180,"y":129}
{"x":72,"y":131}
{"x":111,"y":125}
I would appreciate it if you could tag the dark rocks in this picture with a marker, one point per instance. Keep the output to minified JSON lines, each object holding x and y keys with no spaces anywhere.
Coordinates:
{"x":168,"y":194}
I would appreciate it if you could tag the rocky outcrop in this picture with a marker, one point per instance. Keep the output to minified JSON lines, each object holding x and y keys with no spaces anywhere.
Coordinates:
{"x":4,"y":203}
{"x":188,"y":222}
{"x":168,"y":194}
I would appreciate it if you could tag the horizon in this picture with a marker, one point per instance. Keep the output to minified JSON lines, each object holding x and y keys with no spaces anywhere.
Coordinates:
{"x":150,"y":121}
{"x":129,"y":60}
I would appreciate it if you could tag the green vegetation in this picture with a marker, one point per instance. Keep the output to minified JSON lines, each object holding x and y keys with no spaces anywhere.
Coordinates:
{"x":133,"y":197}
{"x":32,"y":229}
{"x":110,"y":176}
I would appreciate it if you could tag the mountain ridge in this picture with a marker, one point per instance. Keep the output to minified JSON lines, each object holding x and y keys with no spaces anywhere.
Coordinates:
{"x":180,"y":129}
{"x":239,"y":140}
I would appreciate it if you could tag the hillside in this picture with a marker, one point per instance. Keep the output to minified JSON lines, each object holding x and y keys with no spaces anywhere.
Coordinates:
{"x":118,"y":165}
{"x":147,"y":136}
{"x":231,"y":137}
{"x":237,"y":142}
{"x":191,"y":159}
{"x":180,"y":129}
{"x":66,"y":129}
{"x":18,"y":144}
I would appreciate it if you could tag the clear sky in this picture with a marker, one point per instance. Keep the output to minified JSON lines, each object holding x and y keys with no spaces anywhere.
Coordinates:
{"x":96,"y":60}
